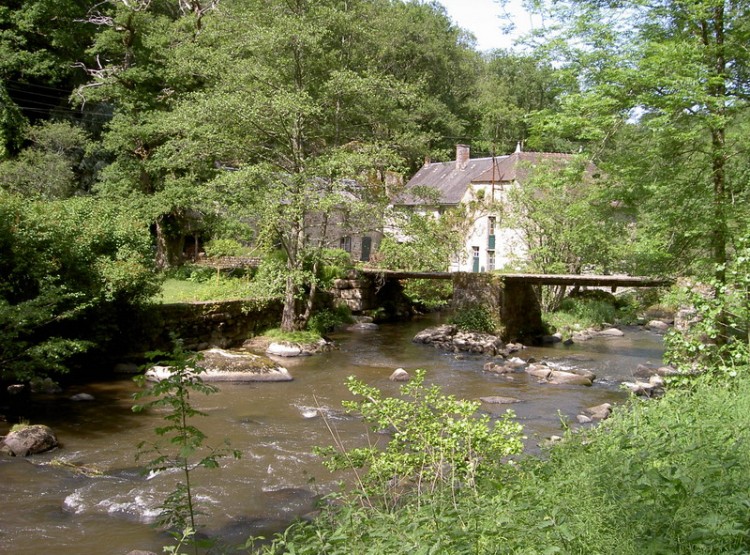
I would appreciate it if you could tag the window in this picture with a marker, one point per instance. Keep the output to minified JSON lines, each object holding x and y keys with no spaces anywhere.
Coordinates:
{"x":346,"y":244}
{"x":475,"y":259}
{"x":490,"y":261}
{"x":491,"y":223}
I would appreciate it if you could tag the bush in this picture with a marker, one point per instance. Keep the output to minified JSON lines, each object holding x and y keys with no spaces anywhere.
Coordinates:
{"x":476,"y":319}
{"x":68,"y":269}
{"x":436,"y":441}
{"x":581,"y":313}
{"x":327,"y":320}
{"x":223,"y":247}
{"x":429,"y":294}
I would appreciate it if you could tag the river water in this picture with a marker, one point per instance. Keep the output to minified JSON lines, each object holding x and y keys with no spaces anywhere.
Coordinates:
{"x":48,"y":506}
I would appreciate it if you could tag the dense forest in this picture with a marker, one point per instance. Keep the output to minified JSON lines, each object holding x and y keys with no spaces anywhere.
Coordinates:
{"x":127,"y":126}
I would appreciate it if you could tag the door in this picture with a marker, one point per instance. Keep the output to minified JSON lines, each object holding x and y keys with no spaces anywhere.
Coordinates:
{"x":475,"y":259}
{"x":366,"y":247}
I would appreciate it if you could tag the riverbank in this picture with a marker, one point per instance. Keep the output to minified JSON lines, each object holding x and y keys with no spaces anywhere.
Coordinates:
{"x":657,"y":477}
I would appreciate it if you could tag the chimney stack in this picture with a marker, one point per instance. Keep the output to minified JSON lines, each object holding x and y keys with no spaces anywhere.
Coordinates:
{"x":462,"y":156}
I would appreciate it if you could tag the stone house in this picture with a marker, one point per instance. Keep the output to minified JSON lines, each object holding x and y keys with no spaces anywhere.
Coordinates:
{"x":482,"y":184}
{"x":355,"y":232}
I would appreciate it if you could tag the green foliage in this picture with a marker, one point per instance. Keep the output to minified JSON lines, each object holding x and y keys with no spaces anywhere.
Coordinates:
{"x":434,"y":441}
{"x":567,"y":219}
{"x":662,"y":100}
{"x":268,"y":281}
{"x":577,"y":314}
{"x":716,"y":343}
{"x":428,"y":244}
{"x":54,"y":166}
{"x":474,"y":318}
{"x":185,"y":448}
{"x":327,"y":320}
{"x":337,"y":263}
{"x":429,"y":294}
{"x":67,"y":269}
{"x":224,"y":247}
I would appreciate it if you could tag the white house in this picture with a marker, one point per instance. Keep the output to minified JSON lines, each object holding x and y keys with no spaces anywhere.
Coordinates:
{"x":482,"y":184}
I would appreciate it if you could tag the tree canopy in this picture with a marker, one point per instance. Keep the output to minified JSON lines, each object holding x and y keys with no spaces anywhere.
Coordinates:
{"x":283,"y":123}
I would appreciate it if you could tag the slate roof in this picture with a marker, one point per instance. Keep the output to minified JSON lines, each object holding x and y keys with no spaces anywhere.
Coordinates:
{"x":444,"y":177}
{"x":452,"y":183}
{"x":518,"y":165}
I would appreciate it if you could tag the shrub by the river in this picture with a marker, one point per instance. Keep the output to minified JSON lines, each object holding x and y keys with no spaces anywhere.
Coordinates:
{"x":180,"y":445}
{"x":327,"y":320}
{"x":576,"y":314}
{"x":433,"y":441}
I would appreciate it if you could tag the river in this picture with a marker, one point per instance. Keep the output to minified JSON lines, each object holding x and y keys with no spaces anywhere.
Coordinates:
{"x":108,"y":509}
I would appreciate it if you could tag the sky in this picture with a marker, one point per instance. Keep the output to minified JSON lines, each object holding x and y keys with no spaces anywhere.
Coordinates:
{"x":482,"y":18}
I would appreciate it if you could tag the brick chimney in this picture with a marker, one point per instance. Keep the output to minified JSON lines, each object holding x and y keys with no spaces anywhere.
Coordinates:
{"x":463,"y":153}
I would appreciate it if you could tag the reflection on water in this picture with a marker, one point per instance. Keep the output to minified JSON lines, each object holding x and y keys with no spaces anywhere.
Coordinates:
{"x":275,"y":426}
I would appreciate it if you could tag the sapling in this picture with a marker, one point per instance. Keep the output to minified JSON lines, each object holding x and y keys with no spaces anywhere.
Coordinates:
{"x":185,"y":449}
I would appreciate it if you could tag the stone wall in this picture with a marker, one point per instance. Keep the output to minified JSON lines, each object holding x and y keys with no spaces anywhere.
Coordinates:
{"x":202,"y":324}
{"x":357,"y":294}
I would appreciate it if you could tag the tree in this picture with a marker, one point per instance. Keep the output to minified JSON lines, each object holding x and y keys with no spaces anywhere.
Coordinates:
{"x":138,"y":75}
{"x":39,"y":42}
{"x":304,"y":126}
{"x":53,"y":166}
{"x":672,"y":77}
{"x":511,"y":87}
{"x":67,"y":269}
{"x":570,"y":222}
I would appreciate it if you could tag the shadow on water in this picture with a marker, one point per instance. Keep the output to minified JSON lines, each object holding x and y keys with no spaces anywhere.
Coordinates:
{"x":275,"y":426}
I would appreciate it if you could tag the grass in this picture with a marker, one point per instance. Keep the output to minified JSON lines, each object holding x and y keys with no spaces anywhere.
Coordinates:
{"x":222,"y":288}
{"x":292,"y":336}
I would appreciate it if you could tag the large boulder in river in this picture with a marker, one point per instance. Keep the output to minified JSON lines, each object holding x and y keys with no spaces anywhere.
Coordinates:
{"x":399,"y":375}
{"x":600,"y":412}
{"x":294,"y":349}
{"x":436,"y":334}
{"x":560,"y":377}
{"x":29,"y":440}
{"x":231,"y":366}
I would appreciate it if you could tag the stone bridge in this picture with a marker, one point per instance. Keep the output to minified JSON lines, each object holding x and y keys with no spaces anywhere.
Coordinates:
{"x":511,"y":296}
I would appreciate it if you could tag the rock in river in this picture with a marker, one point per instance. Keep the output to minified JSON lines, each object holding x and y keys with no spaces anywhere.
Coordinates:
{"x":29,"y":440}
{"x":559,"y":377}
{"x":399,"y":375}
{"x":497,"y":400}
{"x":232,"y":366}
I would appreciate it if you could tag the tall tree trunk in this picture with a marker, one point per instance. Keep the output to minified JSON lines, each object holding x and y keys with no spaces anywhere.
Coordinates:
{"x":289,"y":312}
{"x":170,"y":243}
